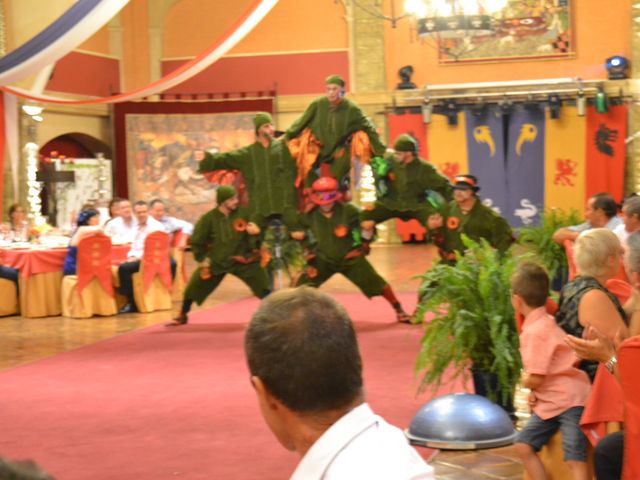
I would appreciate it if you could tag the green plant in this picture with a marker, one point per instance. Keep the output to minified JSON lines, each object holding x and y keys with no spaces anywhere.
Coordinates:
{"x":474,"y":322}
{"x":540,"y":240}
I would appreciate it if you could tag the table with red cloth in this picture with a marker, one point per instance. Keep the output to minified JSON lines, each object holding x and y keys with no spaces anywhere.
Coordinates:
{"x":40,"y":277}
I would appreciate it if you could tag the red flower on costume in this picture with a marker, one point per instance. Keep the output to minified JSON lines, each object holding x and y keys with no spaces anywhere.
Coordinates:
{"x":453,"y":223}
{"x":312,"y":272}
{"x":239,"y":225}
{"x":392,"y":176}
{"x":341,"y":231}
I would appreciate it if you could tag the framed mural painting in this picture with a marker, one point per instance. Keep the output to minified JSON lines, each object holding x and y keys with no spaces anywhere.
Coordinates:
{"x":155,"y":143}
{"x":523,"y":30}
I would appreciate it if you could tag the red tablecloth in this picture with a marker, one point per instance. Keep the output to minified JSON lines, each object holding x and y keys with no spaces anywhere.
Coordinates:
{"x":45,"y":260}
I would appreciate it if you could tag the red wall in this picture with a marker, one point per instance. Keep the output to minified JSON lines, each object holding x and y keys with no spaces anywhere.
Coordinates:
{"x":288,"y":74}
{"x":86,"y":74}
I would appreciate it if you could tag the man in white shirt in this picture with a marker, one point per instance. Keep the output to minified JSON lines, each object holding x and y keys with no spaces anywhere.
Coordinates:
{"x":122,"y":229}
{"x":306,"y":370}
{"x":630,"y":219}
{"x":144,"y":226}
{"x":158,"y":211}
{"x":601,"y":211}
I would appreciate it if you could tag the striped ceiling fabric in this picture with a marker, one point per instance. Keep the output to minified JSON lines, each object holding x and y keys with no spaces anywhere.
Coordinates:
{"x":72,"y":28}
{"x":234,"y":34}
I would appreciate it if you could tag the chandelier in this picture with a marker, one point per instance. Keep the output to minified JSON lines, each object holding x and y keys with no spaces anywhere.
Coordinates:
{"x":455,"y":18}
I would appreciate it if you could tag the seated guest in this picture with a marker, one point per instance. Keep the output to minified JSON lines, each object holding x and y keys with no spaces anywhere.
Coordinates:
{"x":306,"y":370}
{"x":144,"y":226}
{"x":630,"y":219}
{"x":601,"y":212}
{"x":608,"y":453}
{"x":585,"y":301}
{"x":122,"y":229}
{"x":157,"y":209}
{"x":18,"y":224}
{"x":9,"y":273}
{"x":559,"y":390}
{"x":87,"y":225}
{"x":114,"y":208}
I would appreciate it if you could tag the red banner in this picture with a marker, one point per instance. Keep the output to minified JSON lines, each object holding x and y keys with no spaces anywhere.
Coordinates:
{"x":411,"y":123}
{"x":94,"y":261}
{"x":606,"y":133}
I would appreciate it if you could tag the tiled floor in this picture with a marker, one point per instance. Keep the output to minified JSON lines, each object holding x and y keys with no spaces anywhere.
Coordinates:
{"x":26,"y":340}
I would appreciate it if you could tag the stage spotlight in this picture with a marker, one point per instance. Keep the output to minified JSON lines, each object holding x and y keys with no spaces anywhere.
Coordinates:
{"x":451,"y":111}
{"x":531,"y":105}
{"x":554,"y":105}
{"x":427,"y":110}
{"x":581,"y":104}
{"x":617,"y":67}
{"x":601,"y":101}
{"x":479,"y":109}
{"x":505,"y":106}
{"x":405,"y":76}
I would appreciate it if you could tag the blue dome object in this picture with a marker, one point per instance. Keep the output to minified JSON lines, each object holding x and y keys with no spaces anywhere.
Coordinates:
{"x":461,"y":421}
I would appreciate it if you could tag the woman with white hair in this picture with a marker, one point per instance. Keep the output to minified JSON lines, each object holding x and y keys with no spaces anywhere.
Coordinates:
{"x":585,"y":301}
{"x":608,"y":453}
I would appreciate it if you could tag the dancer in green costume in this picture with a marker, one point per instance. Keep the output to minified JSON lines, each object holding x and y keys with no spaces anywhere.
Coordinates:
{"x":223,"y":241}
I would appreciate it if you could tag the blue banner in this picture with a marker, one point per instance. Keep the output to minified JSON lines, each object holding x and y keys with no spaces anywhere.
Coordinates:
{"x":525,"y":166}
{"x":486,"y":155}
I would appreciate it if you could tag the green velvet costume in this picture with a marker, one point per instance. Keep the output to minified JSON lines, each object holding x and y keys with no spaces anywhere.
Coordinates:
{"x":269,"y":174}
{"x":480,"y":222}
{"x":405,"y":187}
{"x":335,"y":236}
{"x":332,"y":125}
{"x":218,"y":238}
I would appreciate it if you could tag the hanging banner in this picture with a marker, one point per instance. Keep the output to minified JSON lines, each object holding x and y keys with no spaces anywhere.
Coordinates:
{"x":565,"y":161}
{"x":447,"y":146}
{"x":485,"y":144}
{"x":525,"y":167}
{"x":411,"y":124}
{"x":78,"y":23}
{"x":606,"y":133}
{"x":234,"y":34}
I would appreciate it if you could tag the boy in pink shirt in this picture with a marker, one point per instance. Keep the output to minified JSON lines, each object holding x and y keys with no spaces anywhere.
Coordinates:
{"x":558,"y":389}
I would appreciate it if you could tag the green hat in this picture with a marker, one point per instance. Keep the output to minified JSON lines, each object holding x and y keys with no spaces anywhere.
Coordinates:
{"x":334,"y":80}
{"x":224,"y":193}
{"x":262,"y":118}
{"x":406,"y":143}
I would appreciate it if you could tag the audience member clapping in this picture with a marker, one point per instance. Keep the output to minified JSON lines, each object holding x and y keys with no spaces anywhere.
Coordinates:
{"x":585,"y":300}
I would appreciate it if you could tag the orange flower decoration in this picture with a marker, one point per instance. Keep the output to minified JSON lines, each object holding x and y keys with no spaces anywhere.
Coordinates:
{"x":312,"y":272}
{"x":341,"y":231}
{"x":240,"y":225}
{"x":453,"y":223}
{"x":392,"y":176}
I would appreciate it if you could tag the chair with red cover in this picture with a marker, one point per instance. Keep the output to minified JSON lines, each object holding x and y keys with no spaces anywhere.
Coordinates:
{"x":410,"y":228}
{"x":178,"y":243}
{"x":152,"y":284}
{"x":90,"y":291}
{"x":628,"y":361}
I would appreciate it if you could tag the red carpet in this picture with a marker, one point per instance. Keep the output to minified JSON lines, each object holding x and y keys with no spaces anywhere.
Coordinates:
{"x":177,"y":403}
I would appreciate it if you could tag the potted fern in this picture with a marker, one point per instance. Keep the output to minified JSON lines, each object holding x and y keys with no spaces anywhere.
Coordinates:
{"x":539,"y":240}
{"x":473,"y":325}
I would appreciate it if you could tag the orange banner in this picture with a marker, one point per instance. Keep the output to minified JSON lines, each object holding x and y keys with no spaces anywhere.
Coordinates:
{"x":565,"y":161}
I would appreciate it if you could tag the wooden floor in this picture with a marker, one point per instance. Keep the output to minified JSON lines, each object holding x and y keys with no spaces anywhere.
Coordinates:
{"x":25,"y":340}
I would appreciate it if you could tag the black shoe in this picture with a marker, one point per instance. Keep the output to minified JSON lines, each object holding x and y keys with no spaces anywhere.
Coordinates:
{"x":181,"y":319}
{"x":128,"y":308}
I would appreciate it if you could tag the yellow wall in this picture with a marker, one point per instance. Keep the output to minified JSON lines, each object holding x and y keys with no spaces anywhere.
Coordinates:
{"x":135,"y":45}
{"x":292,"y":25}
{"x":98,"y":42}
{"x":602,"y":30}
